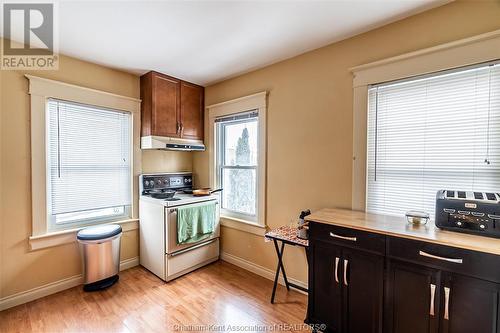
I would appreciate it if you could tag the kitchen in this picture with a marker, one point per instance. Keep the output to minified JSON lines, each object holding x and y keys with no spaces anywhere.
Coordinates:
{"x":312,"y":118}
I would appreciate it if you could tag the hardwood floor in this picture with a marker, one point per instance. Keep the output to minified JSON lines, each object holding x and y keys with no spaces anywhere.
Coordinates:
{"x":221,"y":294}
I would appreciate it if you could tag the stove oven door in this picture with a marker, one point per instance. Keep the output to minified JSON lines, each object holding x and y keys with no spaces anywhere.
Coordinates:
{"x":171,"y":245}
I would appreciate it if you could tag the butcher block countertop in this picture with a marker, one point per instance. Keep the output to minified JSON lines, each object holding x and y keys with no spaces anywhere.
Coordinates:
{"x":398,"y":227}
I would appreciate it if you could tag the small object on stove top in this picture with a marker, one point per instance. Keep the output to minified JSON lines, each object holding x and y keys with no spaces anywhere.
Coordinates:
{"x":302,"y":226}
{"x":162,"y":194}
{"x":204,"y":191}
{"x":172,"y":199}
{"x":416,"y":217}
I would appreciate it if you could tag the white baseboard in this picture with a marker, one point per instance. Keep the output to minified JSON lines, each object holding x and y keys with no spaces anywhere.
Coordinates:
{"x":39,"y":292}
{"x":129,"y":263}
{"x":260,"y":270}
{"x":54,"y":287}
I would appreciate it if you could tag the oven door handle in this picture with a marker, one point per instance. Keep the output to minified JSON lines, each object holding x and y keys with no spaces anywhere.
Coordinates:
{"x":174,"y":210}
{"x":194,"y":247}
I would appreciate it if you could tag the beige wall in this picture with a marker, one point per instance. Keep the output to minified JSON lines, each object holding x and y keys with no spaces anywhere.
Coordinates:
{"x":310,"y":118}
{"x":166,"y":161}
{"x":20,"y":268}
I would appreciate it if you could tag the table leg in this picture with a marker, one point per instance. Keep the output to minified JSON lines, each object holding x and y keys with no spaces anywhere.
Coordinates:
{"x":276,"y":277}
{"x":278,"y":268}
{"x":283,"y":267}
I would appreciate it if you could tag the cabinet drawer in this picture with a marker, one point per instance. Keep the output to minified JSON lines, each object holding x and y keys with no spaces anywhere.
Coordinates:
{"x":352,"y":238}
{"x":477,"y":264}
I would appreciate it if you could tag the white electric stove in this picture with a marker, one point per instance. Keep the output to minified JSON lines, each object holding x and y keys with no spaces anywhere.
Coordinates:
{"x":160,"y":252}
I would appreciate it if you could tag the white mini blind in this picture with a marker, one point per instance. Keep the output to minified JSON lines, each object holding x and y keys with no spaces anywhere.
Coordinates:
{"x":89,"y":158}
{"x":439,"y":131}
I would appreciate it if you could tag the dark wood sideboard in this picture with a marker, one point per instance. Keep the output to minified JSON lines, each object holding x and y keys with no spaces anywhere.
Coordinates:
{"x":365,"y":278}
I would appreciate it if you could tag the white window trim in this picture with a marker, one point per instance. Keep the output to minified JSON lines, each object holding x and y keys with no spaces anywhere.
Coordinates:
{"x":258,"y":103}
{"x":40,"y":90}
{"x":464,"y":52}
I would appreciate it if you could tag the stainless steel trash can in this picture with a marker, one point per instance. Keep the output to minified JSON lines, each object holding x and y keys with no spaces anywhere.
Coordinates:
{"x":101,"y":255}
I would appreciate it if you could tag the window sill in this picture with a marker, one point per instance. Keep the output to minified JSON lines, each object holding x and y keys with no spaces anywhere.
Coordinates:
{"x":69,"y":236}
{"x":243,"y":225}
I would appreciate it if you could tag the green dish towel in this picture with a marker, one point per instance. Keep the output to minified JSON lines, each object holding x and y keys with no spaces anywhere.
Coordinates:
{"x":195,"y":223}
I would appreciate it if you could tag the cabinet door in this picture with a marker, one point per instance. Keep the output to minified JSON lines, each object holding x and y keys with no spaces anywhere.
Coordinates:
{"x":192,"y":111}
{"x":413,"y":299}
{"x":326,"y":285}
{"x":166,"y":101}
{"x":469,"y":305}
{"x":363,"y":286}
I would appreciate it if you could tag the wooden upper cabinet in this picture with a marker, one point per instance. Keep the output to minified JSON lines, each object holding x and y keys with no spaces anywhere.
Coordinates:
{"x":171,"y":107}
{"x":191,"y":111}
{"x":165,"y":106}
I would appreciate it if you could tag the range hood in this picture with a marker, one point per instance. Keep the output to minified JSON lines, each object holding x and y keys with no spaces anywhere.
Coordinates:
{"x":166,"y":143}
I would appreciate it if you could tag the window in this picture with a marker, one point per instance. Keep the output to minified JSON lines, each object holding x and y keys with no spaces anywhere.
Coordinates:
{"x":237,"y":139}
{"x":88,"y":164}
{"x":237,"y":160}
{"x":439,"y":131}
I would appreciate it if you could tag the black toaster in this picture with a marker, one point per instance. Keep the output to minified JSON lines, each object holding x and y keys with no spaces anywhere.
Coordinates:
{"x":470,"y":212}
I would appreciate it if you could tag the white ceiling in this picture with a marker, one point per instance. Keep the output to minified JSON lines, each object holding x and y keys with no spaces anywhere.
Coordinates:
{"x":208,"y":41}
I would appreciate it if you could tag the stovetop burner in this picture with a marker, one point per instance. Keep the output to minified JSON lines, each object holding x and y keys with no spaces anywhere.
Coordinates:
{"x":162,"y":195}
{"x":172,"y":199}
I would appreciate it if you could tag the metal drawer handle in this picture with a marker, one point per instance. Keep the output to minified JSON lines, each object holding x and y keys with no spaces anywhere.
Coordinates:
{"x":346,"y":262}
{"x":352,"y":239}
{"x":194,"y":247}
{"x":337,"y":259}
{"x":428,"y":255}
{"x":446,"y":303}
{"x":433,"y":292}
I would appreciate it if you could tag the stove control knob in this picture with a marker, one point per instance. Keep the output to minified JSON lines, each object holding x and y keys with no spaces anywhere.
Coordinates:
{"x":459,"y":224}
{"x":482,"y":226}
{"x":158,"y":182}
{"x":165,"y":181}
